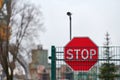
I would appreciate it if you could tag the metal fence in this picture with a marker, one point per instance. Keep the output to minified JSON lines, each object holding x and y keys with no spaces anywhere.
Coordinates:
{"x":61,"y":71}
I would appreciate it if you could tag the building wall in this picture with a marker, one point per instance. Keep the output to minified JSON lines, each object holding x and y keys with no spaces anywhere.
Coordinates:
{"x":39,"y":58}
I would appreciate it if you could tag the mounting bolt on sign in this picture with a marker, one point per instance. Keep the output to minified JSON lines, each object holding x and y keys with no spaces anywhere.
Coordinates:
{"x":81,"y":54}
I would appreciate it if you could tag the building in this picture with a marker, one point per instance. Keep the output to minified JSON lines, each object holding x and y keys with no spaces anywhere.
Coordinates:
{"x":39,"y":65}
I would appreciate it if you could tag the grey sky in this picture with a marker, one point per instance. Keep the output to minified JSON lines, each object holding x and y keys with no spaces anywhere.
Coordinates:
{"x":92,"y":18}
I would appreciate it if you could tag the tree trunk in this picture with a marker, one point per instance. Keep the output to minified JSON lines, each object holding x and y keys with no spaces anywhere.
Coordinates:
{"x":25,"y":66}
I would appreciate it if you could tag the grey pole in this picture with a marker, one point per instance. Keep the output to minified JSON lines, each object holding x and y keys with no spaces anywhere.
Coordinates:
{"x":70,"y":18}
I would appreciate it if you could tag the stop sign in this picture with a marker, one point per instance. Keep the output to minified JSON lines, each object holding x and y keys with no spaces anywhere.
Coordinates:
{"x":81,"y":53}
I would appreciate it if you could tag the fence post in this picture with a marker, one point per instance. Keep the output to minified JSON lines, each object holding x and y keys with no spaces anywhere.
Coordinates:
{"x":53,"y":63}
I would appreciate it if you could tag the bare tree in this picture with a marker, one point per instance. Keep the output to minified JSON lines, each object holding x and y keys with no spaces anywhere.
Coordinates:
{"x":4,"y":40}
{"x":26,"y":24}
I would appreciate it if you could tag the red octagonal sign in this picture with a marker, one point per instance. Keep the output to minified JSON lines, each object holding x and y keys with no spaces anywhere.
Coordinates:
{"x":81,"y":53}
